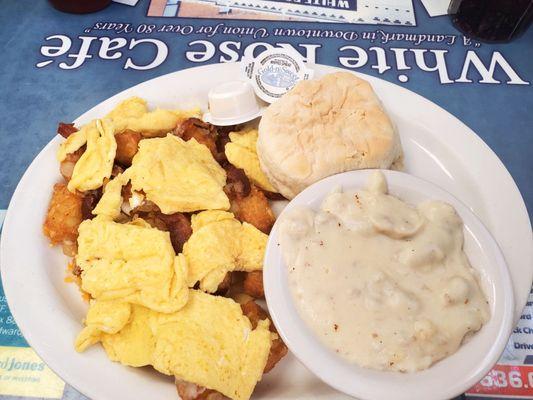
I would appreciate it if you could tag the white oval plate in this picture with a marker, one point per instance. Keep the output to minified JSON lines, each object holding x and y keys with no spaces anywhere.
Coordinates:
{"x":445,"y":379}
{"x":438,"y":148}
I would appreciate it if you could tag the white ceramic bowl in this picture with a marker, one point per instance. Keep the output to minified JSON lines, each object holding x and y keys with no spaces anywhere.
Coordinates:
{"x":445,"y":379}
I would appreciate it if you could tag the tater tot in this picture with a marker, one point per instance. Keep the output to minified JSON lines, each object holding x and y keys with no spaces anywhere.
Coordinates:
{"x":64,"y":216}
{"x":254,"y":209}
{"x":253,"y":284}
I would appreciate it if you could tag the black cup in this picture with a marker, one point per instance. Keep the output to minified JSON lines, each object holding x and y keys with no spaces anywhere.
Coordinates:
{"x":492,"y":20}
{"x":80,"y":6}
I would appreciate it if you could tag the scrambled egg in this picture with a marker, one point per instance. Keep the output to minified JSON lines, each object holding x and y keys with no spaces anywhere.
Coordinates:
{"x":178,"y":176}
{"x":208,"y":342}
{"x":111,"y":201}
{"x":131,"y":262}
{"x":134,"y":107}
{"x":241,"y":153}
{"x":103,"y":317}
{"x":133,"y":114}
{"x":96,"y":162}
{"x":141,"y":308}
{"x":73,"y":142}
{"x":219,"y":244}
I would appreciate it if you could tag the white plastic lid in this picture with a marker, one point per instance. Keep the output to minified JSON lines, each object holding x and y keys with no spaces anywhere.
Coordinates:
{"x":232,"y":103}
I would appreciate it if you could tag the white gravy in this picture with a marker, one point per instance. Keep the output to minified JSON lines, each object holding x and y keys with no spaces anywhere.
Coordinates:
{"x":383,"y":284}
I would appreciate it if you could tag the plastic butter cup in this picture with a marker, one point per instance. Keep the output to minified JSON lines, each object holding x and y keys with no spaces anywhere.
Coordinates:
{"x":446,"y":378}
{"x":233,"y":103}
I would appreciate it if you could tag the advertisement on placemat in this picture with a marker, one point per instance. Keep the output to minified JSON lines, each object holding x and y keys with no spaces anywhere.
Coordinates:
{"x":399,"y":41}
{"x":392,"y":12}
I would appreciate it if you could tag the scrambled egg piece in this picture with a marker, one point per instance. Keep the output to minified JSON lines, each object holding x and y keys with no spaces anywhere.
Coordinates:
{"x":74,"y":142}
{"x":111,"y":200}
{"x":134,"y":107}
{"x":104,"y":316}
{"x":219,"y":244}
{"x":241,"y":153}
{"x":131,"y":262}
{"x":208,"y":342}
{"x":133,"y":114}
{"x":96,"y":162}
{"x":178,"y":176}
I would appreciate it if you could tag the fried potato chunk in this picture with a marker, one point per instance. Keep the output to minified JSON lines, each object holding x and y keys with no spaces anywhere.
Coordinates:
{"x":248,"y":203}
{"x":278,"y":349}
{"x":253,"y":284}
{"x":191,"y":391}
{"x":63,"y":217}
{"x":127,"y":146}
{"x":254,"y":209}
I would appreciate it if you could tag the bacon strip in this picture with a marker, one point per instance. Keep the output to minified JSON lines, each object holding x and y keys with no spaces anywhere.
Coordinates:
{"x":89,"y":201}
{"x":203,"y":132}
{"x":65,"y":129}
{"x":237,"y":183}
{"x":179,"y":227}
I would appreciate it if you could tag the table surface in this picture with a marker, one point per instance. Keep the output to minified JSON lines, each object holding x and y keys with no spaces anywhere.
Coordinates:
{"x":33,"y":99}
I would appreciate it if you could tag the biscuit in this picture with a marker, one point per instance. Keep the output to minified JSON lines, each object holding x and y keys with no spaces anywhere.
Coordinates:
{"x":323,"y":127}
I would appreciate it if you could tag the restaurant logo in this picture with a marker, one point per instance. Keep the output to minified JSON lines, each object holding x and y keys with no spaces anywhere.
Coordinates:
{"x":400,"y":55}
{"x":279,"y":77}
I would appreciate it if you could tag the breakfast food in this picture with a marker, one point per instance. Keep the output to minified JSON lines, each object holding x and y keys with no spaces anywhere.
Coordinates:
{"x":166,"y":218}
{"x":167,"y":238}
{"x":322,"y":127}
{"x":209,"y":341}
{"x":241,"y":152}
{"x":220,"y":244}
{"x":183,"y":175}
{"x":131,"y":262}
{"x":63,"y":218}
{"x":401,"y":268}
